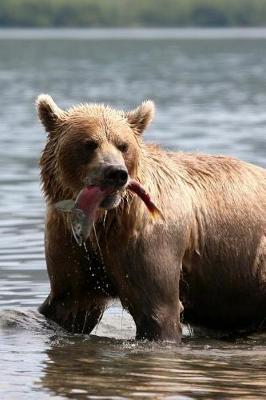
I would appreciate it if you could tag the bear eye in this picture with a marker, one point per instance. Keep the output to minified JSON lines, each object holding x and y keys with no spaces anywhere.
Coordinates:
{"x":123,"y":147}
{"x":90,"y":145}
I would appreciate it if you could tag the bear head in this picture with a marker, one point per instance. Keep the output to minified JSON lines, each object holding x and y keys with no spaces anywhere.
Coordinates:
{"x":91,"y":144}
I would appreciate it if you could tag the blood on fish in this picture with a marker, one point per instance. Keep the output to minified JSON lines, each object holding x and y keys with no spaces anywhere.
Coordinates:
{"x":89,"y":199}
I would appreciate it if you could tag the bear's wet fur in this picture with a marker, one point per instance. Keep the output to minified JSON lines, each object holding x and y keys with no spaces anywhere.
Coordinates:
{"x":209,"y":253}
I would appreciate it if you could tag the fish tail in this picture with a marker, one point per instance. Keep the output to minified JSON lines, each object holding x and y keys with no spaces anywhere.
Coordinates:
{"x":156,"y":213}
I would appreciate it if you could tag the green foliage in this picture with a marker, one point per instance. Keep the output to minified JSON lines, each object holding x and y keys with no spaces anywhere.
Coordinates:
{"x":122,"y":13}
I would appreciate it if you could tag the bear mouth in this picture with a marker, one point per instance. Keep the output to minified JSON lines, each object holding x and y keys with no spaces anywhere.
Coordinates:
{"x":111,"y":201}
{"x":95,"y":196}
{"x":108,"y":195}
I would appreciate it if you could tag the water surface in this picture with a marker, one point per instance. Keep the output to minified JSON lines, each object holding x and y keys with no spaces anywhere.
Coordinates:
{"x":211,"y":97}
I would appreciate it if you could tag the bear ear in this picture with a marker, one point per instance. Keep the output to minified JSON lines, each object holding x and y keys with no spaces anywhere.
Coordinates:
{"x":141,"y":117}
{"x":49,"y":113}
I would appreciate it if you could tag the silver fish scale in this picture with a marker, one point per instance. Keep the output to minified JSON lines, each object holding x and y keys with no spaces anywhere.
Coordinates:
{"x":80,"y":225}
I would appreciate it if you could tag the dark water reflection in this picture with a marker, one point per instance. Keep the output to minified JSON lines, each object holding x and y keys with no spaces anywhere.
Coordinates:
{"x":211,"y":96}
{"x":128,"y":370}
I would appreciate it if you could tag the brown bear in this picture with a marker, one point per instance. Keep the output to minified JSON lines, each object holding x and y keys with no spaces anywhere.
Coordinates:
{"x":209,"y":252}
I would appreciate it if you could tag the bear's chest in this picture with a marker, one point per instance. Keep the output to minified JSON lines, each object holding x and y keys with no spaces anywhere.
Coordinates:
{"x":97,"y":277}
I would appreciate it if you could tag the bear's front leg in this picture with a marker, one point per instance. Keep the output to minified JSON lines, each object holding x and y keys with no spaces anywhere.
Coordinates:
{"x":151,"y":289}
{"x":160,"y":323}
{"x":78,"y":294}
{"x":72,"y":313}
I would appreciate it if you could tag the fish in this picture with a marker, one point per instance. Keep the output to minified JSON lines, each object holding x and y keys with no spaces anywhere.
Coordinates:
{"x":83,"y":210}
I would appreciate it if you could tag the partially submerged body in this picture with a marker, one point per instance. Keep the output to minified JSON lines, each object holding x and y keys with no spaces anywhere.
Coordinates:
{"x":209,"y":252}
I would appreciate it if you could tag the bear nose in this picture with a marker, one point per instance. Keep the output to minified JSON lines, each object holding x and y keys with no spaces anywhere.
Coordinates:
{"x":116,"y":175}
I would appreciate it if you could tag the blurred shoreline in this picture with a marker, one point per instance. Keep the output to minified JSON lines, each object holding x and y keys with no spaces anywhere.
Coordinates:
{"x":128,"y":13}
{"x":132,"y":33}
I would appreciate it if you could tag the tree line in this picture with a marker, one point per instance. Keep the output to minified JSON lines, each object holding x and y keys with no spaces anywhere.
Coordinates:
{"x":132,"y":13}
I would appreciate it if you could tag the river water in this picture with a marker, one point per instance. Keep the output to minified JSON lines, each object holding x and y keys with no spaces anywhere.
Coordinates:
{"x":210,"y":92}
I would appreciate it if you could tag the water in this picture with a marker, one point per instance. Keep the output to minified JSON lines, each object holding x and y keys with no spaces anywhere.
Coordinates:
{"x":211,"y":96}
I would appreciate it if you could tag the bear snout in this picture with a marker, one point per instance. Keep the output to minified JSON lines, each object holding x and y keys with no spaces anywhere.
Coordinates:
{"x":115,"y":176}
